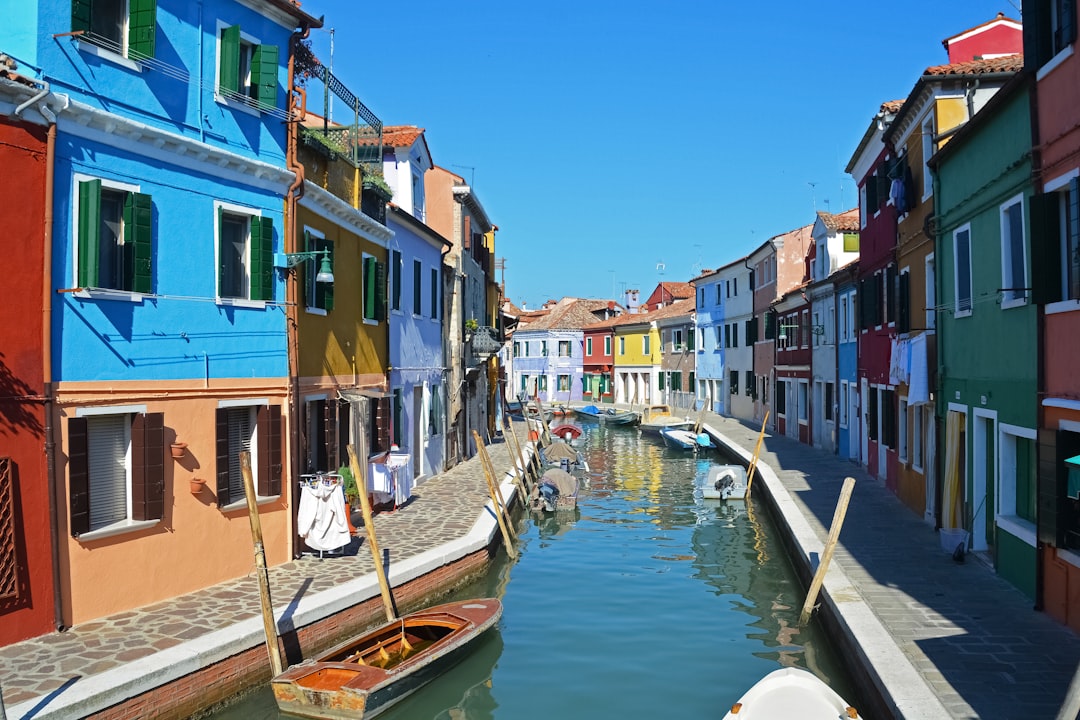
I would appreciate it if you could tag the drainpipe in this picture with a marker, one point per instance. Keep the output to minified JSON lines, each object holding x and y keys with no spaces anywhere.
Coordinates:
{"x":1041,"y":549}
{"x":52,"y":483}
{"x":292,"y":198}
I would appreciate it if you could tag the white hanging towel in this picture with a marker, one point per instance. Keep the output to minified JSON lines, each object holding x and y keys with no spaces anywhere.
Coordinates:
{"x":919,"y":386}
{"x":321,"y":517}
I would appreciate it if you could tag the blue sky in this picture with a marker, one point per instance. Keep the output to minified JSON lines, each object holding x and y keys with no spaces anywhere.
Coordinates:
{"x":617,"y":143}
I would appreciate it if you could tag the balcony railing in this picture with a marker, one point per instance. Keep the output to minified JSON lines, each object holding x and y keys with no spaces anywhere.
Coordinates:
{"x":485,"y":342}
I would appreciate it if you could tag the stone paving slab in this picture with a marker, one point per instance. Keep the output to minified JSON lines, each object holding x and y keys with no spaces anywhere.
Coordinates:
{"x":973,"y":638}
{"x":443,"y":510}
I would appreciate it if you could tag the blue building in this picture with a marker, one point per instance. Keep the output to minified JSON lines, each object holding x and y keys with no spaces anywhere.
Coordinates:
{"x":168,"y":321}
{"x":709,"y":315}
{"x":847,"y":362}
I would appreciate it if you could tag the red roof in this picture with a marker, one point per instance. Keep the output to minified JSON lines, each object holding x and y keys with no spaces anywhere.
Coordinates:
{"x":400,"y":135}
{"x":847,"y":221}
{"x":1004,"y":64}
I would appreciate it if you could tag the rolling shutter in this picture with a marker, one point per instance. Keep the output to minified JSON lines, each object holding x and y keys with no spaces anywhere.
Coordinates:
{"x":78,"y":477}
{"x":148,"y":466}
{"x":138,"y":243}
{"x":107,"y":446}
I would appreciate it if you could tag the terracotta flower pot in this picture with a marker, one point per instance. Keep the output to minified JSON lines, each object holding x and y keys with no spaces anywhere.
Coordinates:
{"x":197,"y":484}
{"x":178,"y":449}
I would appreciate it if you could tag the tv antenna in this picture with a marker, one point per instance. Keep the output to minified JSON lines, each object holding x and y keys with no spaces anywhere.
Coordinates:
{"x":472,"y":172}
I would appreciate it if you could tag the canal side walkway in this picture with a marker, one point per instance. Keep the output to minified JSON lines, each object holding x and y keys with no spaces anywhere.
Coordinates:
{"x":938,"y":638}
{"x":99,"y":664}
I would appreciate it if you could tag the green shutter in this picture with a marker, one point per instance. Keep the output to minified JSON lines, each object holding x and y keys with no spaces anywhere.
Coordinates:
{"x":380,"y":291}
{"x":309,"y":278}
{"x":661,"y":381}
{"x":142,"y":27}
{"x":229,"y":61}
{"x":1046,"y":248}
{"x":89,"y":232}
{"x":264,"y":75}
{"x":81,"y":12}
{"x":138,"y":214}
{"x":262,"y":259}
{"x":369,"y":288}
{"x":324,"y":290}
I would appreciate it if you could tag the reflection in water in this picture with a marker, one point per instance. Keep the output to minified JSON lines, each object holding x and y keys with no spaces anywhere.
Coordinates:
{"x":646,"y":601}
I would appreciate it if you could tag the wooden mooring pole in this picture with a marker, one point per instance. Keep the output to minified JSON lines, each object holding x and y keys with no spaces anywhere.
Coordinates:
{"x":518,"y":474}
{"x":525,"y":461}
{"x":830,"y":546}
{"x":269,"y":626}
{"x":757,"y":454}
{"x":369,"y":526}
{"x":493,"y":492}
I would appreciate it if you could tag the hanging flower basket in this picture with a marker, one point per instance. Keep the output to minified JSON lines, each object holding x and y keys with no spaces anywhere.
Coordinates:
{"x":178,"y":449}
{"x":197,"y":485}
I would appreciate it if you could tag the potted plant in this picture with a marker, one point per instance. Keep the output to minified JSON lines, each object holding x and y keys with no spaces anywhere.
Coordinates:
{"x":197,"y":484}
{"x":471,"y":326}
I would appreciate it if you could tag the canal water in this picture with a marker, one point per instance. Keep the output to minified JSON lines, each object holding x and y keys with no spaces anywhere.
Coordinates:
{"x":646,"y":602}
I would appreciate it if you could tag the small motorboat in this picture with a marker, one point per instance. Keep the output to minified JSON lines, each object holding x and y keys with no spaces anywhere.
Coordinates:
{"x":791,"y":693}
{"x":364,"y":676}
{"x":724,"y":482}
{"x":556,"y":490}
{"x":679,"y":439}
{"x":610,"y":416}
{"x":562,"y":455}
{"x":656,"y":424}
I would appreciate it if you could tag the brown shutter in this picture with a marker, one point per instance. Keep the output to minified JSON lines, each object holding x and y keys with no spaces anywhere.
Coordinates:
{"x":148,"y":466}
{"x":268,"y":428}
{"x":382,"y":424}
{"x":330,"y":433}
{"x":78,"y":476}
{"x":222,"y":438}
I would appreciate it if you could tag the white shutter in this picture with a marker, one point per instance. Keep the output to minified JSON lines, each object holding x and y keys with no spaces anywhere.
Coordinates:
{"x":108,"y":439}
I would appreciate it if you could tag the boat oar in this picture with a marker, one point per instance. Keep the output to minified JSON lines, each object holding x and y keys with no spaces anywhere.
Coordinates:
{"x":754,"y":460}
{"x":493,"y":491}
{"x":830,"y":547}
{"x":269,"y":626}
{"x":369,"y":525}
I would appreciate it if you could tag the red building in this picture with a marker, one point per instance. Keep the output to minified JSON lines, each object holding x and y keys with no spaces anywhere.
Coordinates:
{"x":793,"y":370}
{"x":598,"y":361}
{"x":1055,"y":280}
{"x":994,"y":38}
{"x":876,"y":295}
{"x":666,"y":293}
{"x":27,"y":602}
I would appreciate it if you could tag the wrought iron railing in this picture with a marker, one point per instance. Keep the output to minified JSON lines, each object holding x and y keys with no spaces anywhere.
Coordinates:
{"x":485,"y":342}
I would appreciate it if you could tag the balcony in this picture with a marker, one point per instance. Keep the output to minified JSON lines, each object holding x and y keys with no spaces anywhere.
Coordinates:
{"x":484,"y":342}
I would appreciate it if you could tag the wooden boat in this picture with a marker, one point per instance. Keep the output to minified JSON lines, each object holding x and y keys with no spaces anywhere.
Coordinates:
{"x":724,"y":482}
{"x":655,"y":425}
{"x":556,"y":490}
{"x":791,"y":693}
{"x":685,"y":439}
{"x":610,"y":416}
{"x":562,"y":455}
{"x":366,"y":675}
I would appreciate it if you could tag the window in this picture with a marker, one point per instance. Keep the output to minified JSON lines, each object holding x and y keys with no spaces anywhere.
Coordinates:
{"x":622,"y":346}
{"x":435,"y":409}
{"x":1055,"y":235}
{"x":245,"y":255}
{"x":733,"y":382}
{"x":320,"y":296}
{"x":525,"y":345}
{"x":701,"y":298}
{"x":931,"y":293}
{"x":417,"y":288}
{"x":829,"y":405}
{"x":888,"y":418}
{"x":676,"y":381}
{"x":962,"y":273}
{"x":247,"y":70}
{"x":916,"y":441}
{"x":1055,"y":33}
{"x":543,"y":348}
{"x":517,"y":349}
{"x":749,"y":379}
{"x":395,"y":269}
{"x":1013,"y":254}
{"x":607,"y":345}
{"x":434,"y":293}
{"x":564,"y":348}
{"x":872,"y":415}
{"x":374,"y":300}
{"x":542,"y":383}
{"x":253,"y":429}
{"x":719,"y":339}
{"x":563,"y":383}
{"x":646,"y":348}
{"x":727,"y":335}
{"x":116,"y":469}
{"x":718,"y":298}
{"x":781,"y":397}
{"x":902,"y":443}
{"x":804,"y":402}
{"x":399,"y":417}
{"x":735,"y":287}
{"x":588,"y":346}
{"x":890,"y":294}
{"x":817,"y":323}
{"x":903,"y":305}
{"x":928,"y":149}
{"x":734,"y":335}
{"x":1018,"y":473}
{"x":843,"y":404}
{"x":690,"y":334}
{"x":126,"y":27}
{"x":660,"y":380}
{"x":677,"y":339}
{"x":113,"y":237}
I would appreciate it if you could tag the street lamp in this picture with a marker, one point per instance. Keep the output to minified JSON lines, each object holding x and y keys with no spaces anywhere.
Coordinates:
{"x":285,"y":261}
{"x":815,"y":329}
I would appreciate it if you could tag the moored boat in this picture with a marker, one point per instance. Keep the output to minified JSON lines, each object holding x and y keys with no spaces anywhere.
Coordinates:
{"x":685,"y":439}
{"x":566,"y":431}
{"x":724,"y":482}
{"x":556,"y":490}
{"x":791,"y":693}
{"x":655,"y":425}
{"x":610,"y":416}
{"x":367,"y":674}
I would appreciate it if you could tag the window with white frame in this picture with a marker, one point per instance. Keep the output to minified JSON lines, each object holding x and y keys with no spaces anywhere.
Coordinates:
{"x":622,"y":346}
{"x":646,"y":345}
{"x":564,"y":348}
{"x":962,"y":270}
{"x":842,"y":405}
{"x":677,"y":339}
{"x":804,"y":402}
{"x":607,"y":345}
{"x":1017,"y":475}
{"x":1064,"y":201}
{"x":1013,"y":253}
{"x":125,"y":27}
{"x":804,"y":329}
{"x":113,"y":236}
{"x":116,"y":458}
{"x":1055,"y":33}
{"x":247,"y":69}
{"x":563,"y":383}
{"x":543,"y":348}
{"x":588,"y":346}
{"x":245,"y":254}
